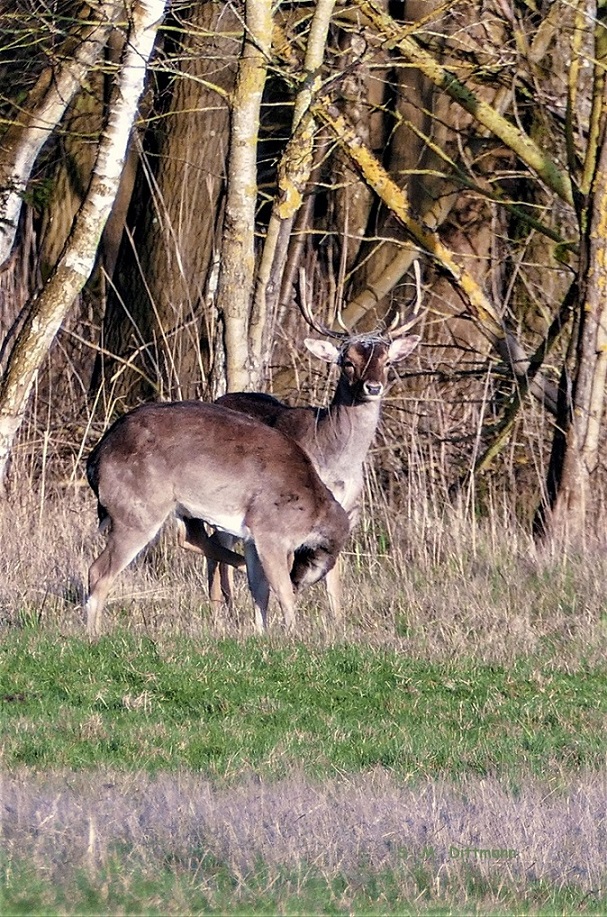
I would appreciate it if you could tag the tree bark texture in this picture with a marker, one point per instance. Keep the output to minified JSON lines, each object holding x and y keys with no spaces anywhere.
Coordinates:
{"x":158,"y":316}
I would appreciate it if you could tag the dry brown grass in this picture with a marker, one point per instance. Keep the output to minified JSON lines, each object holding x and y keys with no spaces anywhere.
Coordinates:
{"x":547,"y":836}
{"x":435,"y":582}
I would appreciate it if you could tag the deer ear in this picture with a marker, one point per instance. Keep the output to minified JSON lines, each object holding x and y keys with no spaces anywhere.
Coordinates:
{"x":323,"y":350}
{"x":402,"y":347}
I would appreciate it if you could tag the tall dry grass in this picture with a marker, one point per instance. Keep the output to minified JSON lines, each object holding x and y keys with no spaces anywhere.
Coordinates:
{"x":436,"y":575}
{"x":434,"y":580}
{"x":475,"y":847}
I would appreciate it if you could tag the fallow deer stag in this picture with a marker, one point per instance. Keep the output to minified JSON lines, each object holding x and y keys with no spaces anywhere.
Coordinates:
{"x":336,"y":438}
{"x":203,"y":462}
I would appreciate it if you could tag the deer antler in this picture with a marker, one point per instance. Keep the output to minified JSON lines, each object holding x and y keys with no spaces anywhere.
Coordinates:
{"x":314,"y":323}
{"x":394,"y":329}
{"x":397,"y":327}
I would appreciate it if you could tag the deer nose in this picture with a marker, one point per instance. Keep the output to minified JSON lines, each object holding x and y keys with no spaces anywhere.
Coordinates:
{"x":373,"y":389}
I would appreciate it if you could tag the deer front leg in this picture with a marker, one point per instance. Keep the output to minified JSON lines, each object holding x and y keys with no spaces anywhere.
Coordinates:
{"x":258,"y":584}
{"x":276,"y":565}
{"x":192,"y":536}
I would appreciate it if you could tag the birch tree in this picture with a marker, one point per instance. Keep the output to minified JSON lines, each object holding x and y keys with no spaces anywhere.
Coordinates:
{"x":235,"y":290}
{"x":47,"y":310}
{"x":42,"y":110}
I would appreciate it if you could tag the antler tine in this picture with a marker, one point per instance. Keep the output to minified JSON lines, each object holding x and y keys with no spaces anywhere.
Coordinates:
{"x":342,"y":324}
{"x":394,"y":328}
{"x":312,"y":322}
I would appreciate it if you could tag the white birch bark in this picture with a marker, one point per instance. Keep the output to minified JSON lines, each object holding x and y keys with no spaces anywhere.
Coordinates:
{"x":41,"y":112}
{"x":238,"y":254}
{"x":50,"y":307}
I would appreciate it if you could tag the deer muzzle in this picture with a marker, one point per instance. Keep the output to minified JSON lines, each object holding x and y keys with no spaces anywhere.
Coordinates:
{"x":373,"y":389}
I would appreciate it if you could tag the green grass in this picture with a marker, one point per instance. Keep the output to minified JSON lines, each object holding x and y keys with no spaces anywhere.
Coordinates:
{"x":202,"y":886}
{"x":231,"y":706}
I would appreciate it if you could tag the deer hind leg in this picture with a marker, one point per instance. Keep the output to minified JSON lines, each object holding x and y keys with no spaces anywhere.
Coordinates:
{"x":123,"y":545}
{"x":221,"y":576}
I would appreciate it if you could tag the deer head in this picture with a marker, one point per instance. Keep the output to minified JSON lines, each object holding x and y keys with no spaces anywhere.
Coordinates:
{"x":364,"y":362}
{"x":364,"y":359}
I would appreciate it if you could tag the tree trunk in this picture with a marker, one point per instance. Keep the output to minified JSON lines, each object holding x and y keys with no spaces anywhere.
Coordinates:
{"x":565,"y":512}
{"x":157,"y":315}
{"x":235,"y":289}
{"x":576,"y":446}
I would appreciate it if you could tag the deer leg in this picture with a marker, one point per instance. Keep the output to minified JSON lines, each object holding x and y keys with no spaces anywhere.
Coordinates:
{"x":217,"y":549}
{"x":226,"y":582}
{"x":123,"y":544}
{"x":214,"y":581}
{"x":258,"y":584}
{"x":221,"y":584}
{"x":193,"y":536}
{"x":333,"y":583}
{"x":276,"y":567}
{"x":220,"y":575}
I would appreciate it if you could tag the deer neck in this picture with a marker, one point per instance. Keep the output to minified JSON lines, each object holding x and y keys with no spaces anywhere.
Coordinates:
{"x":344,"y":433}
{"x":342,"y":436}
{"x":355,"y":420}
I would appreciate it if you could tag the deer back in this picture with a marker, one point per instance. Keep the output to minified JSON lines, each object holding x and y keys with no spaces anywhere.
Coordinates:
{"x":209,"y":463}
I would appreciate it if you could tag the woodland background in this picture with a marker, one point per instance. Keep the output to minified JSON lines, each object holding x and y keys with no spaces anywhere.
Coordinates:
{"x":174,"y":177}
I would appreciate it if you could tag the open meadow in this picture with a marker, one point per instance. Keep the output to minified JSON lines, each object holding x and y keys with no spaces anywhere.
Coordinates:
{"x":444,"y":752}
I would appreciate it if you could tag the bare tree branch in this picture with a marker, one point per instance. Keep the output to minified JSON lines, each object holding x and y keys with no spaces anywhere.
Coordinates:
{"x":41,"y":112}
{"x":485,"y":314}
{"x":515,"y":138}
{"x":48,"y":310}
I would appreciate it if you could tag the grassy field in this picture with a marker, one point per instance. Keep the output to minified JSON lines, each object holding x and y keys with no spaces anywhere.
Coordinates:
{"x":444,"y":752}
{"x":226,"y":706}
